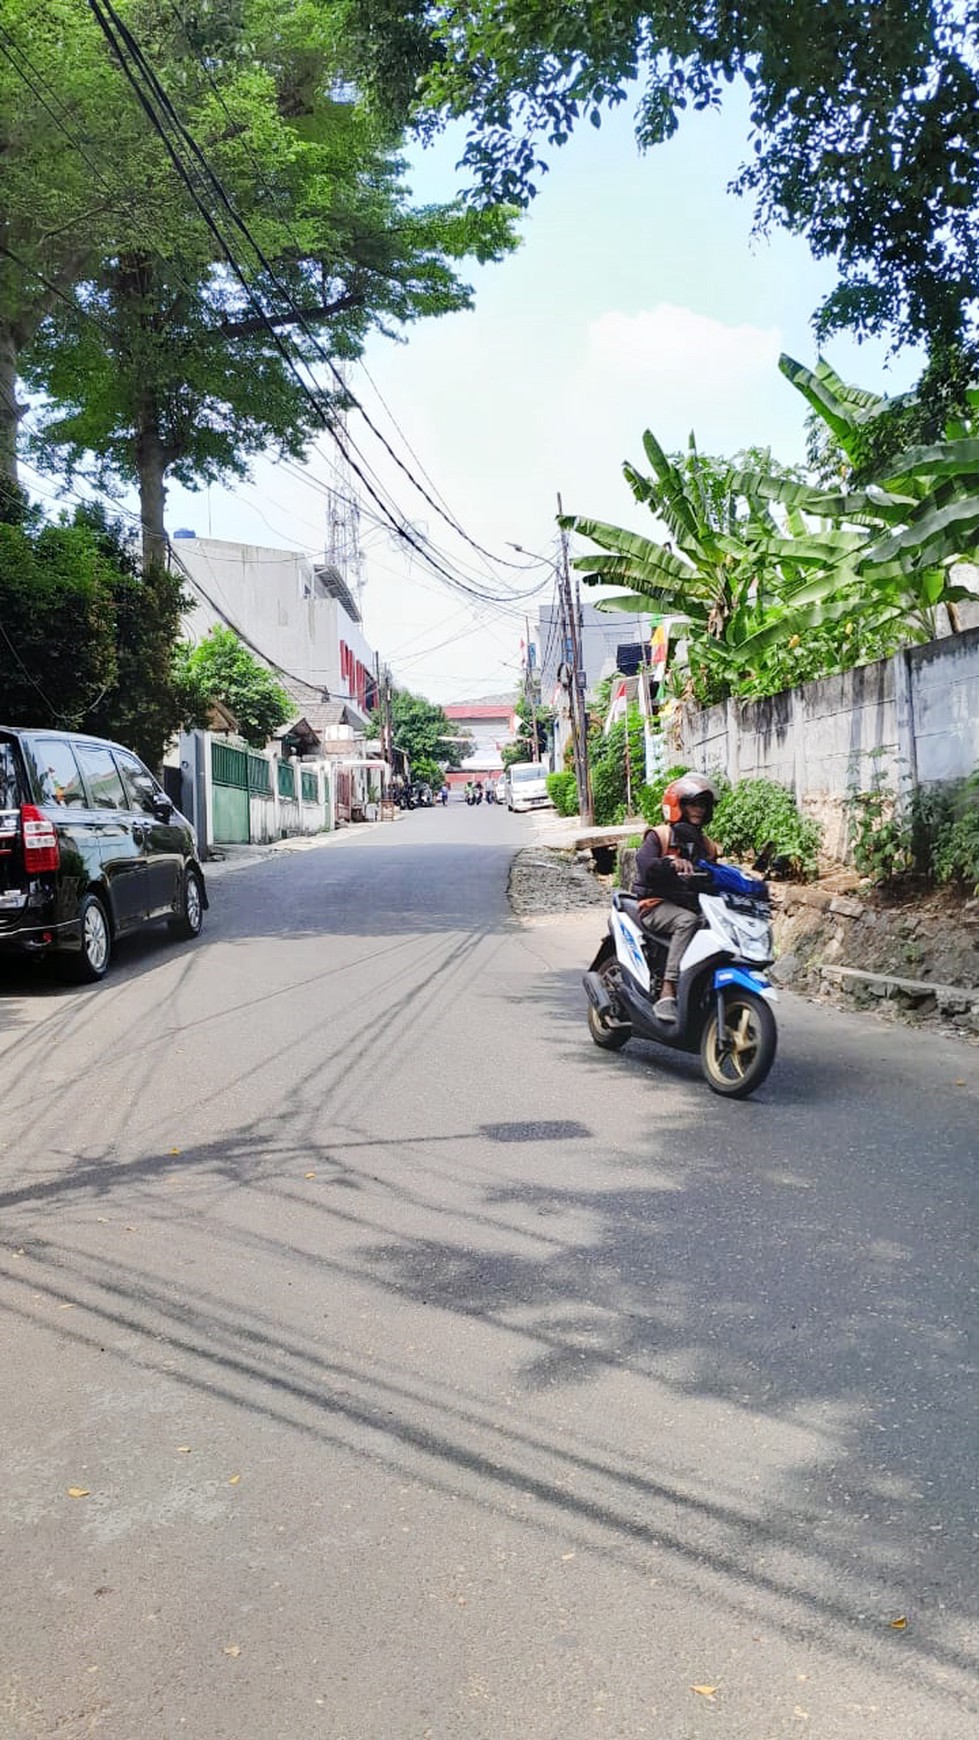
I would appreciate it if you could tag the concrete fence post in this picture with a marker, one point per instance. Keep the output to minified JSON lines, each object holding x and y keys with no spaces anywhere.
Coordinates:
{"x":907,"y":745}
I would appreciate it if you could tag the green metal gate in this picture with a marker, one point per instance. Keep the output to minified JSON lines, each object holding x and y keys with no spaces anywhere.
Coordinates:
{"x":229,"y":773}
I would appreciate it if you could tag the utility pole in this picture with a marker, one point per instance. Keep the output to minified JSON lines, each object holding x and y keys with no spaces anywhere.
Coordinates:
{"x":529,"y":694}
{"x":579,"y":717}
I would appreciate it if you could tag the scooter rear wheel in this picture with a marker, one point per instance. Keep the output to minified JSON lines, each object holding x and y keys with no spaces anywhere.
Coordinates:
{"x":737,"y":1062}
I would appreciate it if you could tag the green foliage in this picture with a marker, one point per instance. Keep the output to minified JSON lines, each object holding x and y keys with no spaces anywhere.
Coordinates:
{"x":779,"y":581}
{"x":87,"y":639}
{"x":149,"y":352}
{"x":864,"y":136}
{"x":562,"y":789}
{"x":534,"y":725}
{"x":421,"y":730}
{"x":607,"y":755}
{"x":428,"y":772}
{"x":758,"y":812}
{"x":220,"y":668}
{"x":956,"y":851}
{"x":880,"y":829}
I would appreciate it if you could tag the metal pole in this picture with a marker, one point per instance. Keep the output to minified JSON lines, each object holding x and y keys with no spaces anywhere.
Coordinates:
{"x":578,"y":712}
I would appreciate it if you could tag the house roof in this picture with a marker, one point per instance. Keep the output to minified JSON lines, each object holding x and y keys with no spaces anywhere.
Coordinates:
{"x":478,"y":710}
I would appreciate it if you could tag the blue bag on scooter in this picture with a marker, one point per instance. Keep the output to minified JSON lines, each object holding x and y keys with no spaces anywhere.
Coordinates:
{"x":728,"y":880}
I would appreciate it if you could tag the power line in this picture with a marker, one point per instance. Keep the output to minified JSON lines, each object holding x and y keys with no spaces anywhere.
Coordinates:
{"x":442,"y":510}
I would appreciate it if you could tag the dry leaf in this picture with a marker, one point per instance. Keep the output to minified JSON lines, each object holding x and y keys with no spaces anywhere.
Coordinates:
{"x":175,"y":1150}
{"x":565,"y":1557}
{"x":183,"y":1449}
{"x":900,"y":1623}
{"x":232,"y":1649}
{"x":704,"y":1691}
{"x":310,"y":1174}
{"x":234,"y":1479}
{"x":78,"y":1492}
{"x":960,"y":1083}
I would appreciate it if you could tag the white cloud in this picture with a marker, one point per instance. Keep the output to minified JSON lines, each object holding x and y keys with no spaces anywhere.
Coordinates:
{"x":672,"y":369}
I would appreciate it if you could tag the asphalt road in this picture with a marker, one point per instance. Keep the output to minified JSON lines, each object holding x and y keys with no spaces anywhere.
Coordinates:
{"x":423,"y":1373}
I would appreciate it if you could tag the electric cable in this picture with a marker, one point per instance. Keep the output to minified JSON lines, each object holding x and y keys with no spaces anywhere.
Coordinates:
{"x":442,"y":510}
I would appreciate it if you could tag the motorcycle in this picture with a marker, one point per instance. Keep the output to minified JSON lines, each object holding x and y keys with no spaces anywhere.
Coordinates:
{"x":724,"y":997}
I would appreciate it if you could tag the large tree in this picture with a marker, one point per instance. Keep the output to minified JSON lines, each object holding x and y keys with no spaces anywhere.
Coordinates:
{"x":86,"y":639}
{"x":163,"y":347}
{"x":864,"y":126}
{"x":421,"y":730}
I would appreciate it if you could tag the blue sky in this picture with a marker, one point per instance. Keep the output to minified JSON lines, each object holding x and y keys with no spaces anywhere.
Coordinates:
{"x":638,"y":299}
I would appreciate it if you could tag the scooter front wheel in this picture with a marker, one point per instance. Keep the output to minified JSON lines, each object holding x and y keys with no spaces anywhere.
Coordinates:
{"x":737,"y":1060}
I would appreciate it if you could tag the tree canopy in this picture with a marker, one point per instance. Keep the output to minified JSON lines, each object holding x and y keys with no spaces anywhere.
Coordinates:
{"x":422,"y":731}
{"x":176,"y":302}
{"x":221,"y":668}
{"x":864,"y":126}
{"x":86,"y":639}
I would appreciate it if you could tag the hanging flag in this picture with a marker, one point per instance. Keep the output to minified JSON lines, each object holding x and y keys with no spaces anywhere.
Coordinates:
{"x":659,"y":647}
{"x":618,"y":703}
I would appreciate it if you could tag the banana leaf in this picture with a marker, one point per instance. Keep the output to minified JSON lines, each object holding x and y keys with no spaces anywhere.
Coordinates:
{"x":873,"y":502}
{"x":937,"y":535}
{"x":919,"y":465}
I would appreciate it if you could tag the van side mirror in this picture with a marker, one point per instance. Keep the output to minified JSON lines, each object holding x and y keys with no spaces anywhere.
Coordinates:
{"x":162,"y":806}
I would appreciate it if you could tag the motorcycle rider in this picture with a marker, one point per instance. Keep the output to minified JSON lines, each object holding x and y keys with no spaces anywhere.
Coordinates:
{"x":663,"y":862}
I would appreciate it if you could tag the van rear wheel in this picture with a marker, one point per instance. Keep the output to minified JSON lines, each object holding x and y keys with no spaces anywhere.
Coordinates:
{"x":92,"y":960}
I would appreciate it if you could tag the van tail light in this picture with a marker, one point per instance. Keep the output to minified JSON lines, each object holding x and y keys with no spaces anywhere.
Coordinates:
{"x":40,"y":837}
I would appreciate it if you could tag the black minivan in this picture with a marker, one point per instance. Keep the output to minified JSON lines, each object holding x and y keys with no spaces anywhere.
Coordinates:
{"x":90,"y":847}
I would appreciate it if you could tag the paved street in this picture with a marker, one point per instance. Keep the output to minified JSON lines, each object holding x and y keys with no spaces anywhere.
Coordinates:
{"x":426,"y":1374}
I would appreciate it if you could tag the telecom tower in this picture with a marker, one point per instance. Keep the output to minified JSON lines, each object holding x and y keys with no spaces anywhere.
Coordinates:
{"x":343,"y":551}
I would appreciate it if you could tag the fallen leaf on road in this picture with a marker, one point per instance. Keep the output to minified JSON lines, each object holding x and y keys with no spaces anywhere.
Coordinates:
{"x":68,"y":1307}
{"x":232,"y":1649}
{"x":565,"y":1557}
{"x":78,"y":1492}
{"x":310,"y":1175}
{"x":704,"y":1691}
{"x":183,"y":1449}
{"x":175,"y":1150}
{"x":233,"y":1479}
{"x":900,"y":1623}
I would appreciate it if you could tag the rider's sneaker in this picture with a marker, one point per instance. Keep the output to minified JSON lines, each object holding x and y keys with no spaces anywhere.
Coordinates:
{"x":665,"y":1009}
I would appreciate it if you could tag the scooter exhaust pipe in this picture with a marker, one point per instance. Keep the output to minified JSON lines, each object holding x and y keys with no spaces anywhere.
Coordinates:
{"x":597,"y":993}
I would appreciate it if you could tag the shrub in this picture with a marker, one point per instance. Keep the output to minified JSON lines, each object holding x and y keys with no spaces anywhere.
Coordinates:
{"x":562,"y":789}
{"x":956,"y":847}
{"x":607,"y":756}
{"x":757,"y":812}
{"x":879,"y":828}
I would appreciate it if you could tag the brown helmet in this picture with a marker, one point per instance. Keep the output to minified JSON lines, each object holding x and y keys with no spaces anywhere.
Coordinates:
{"x":689,"y":788}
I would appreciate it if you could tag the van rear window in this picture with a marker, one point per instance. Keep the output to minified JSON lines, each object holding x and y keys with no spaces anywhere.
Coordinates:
{"x":9,"y":783}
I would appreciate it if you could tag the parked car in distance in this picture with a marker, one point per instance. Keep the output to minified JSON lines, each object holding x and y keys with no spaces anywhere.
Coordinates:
{"x":91,"y":847}
{"x":526,"y":786}
{"x":501,"y":789}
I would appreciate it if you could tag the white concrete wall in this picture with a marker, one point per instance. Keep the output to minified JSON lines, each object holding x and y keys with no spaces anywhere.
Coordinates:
{"x":268,"y":595}
{"x":912,"y":717}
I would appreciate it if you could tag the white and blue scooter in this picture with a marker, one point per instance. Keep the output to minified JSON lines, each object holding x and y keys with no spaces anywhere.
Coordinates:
{"x":724,"y":996}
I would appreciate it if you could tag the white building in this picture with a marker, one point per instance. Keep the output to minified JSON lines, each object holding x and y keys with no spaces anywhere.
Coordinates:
{"x":298,"y":615}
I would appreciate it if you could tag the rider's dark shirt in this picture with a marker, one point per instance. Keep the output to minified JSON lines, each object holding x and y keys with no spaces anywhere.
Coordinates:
{"x":656,"y":878}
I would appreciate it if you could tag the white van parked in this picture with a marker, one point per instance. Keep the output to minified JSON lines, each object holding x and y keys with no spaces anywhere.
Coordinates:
{"x":526,"y":788}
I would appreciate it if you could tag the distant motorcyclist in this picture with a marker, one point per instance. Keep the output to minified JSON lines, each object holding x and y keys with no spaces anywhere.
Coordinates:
{"x":663,"y":862}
